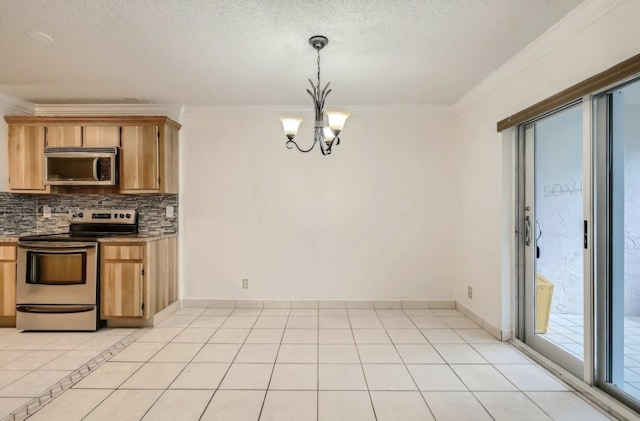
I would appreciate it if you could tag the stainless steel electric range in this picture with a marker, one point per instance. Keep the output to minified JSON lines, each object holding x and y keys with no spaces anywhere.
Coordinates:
{"x":58,"y":274}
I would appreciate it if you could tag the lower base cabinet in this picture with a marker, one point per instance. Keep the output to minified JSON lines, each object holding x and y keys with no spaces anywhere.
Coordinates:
{"x":137,"y":279}
{"x":7,"y":280}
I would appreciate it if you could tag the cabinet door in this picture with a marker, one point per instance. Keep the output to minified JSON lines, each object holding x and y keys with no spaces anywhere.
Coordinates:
{"x":139,"y":160}
{"x":7,"y":288}
{"x":63,"y":136}
{"x":101,"y":136}
{"x":26,"y":159}
{"x":121,"y":289}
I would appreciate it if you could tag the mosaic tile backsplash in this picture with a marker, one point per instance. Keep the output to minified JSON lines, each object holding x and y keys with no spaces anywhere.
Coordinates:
{"x":22,"y":214}
{"x":17,"y":214}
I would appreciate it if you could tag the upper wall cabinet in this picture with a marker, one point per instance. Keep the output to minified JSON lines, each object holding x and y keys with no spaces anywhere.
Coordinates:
{"x":26,"y":163}
{"x":65,"y":136}
{"x":149,"y":159}
{"x":140,"y":159}
{"x":62,"y":136}
{"x":101,"y":136}
{"x":148,"y":150}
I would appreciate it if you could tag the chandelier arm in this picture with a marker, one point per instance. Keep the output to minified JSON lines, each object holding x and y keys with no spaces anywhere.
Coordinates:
{"x":315,"y":90}
{"x":318,"y":137}
{"x":290,"y":141}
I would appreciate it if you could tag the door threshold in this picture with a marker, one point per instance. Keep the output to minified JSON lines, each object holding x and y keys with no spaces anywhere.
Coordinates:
{"x":609,"y":404}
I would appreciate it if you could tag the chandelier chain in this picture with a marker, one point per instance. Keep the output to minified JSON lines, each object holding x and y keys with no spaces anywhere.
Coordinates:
{"x":318,"y":69}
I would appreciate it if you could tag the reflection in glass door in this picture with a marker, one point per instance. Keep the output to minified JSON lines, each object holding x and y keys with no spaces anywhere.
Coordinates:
{"x":618,"y":165}
{"x":553,"y":224}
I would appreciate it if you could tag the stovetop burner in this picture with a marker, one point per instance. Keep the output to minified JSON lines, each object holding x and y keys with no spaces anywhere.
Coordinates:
{"x":91,"y":224}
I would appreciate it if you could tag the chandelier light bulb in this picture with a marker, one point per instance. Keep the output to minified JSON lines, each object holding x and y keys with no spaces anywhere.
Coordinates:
{"x":290,"y":125}
{"x":337,"y":119}
{"x":328,"y":135}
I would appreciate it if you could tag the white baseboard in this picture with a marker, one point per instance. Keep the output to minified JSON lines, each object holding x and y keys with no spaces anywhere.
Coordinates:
{"x":499,"y":334}
{"x":352,"y":304}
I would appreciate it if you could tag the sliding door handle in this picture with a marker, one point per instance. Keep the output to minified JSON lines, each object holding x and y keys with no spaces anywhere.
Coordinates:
{"x":527,"y":231}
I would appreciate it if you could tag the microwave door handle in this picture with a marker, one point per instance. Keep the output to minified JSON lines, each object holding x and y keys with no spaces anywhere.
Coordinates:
{"x":95,"y":169}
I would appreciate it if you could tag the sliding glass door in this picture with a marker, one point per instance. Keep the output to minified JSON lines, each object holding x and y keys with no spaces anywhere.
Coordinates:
{"x":617,"y":117}
{"x":552,"y":242}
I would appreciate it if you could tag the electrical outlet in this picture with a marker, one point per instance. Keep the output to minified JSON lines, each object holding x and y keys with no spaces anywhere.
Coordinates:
{"x":169,"y":212}
{"x":46,"y":211}
{"x":245,"y":283}
{"x":470,"y":292}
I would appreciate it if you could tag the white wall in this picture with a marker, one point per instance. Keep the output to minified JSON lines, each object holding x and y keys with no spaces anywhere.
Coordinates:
{"x":375,"y":220}
{"x":549,"y":65}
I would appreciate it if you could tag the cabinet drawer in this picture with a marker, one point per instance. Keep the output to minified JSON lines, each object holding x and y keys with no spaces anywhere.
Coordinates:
{"x":8,"y":252}
{"x":128,"y":252}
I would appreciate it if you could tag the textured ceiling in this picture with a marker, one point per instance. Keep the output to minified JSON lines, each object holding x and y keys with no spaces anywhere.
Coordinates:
{"x":255,"y":52}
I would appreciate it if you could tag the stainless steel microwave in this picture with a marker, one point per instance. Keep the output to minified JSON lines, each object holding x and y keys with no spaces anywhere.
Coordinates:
{"x":81,"y":166}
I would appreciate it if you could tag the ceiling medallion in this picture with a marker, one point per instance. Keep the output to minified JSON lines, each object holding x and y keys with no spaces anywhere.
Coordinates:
{"x":325,"y":135}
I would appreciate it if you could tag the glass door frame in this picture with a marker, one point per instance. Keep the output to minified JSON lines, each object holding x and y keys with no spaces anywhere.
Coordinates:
{"x":525,"y":292}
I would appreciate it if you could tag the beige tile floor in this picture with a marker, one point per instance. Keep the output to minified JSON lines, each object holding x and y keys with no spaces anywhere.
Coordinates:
{"x":31,"y":363}
{"x":315,"y":364}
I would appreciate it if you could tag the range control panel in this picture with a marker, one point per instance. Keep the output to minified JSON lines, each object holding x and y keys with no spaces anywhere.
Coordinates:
{"x":111,"y":216}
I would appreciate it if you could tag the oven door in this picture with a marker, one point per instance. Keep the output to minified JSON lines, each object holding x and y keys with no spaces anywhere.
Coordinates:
{"x":57,"y":273}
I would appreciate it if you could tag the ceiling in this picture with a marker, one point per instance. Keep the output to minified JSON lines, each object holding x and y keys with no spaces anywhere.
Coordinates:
{"x":255,"y":52}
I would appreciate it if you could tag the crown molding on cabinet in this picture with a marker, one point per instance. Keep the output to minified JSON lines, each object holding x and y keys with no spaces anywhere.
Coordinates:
{"x":571,"y":24}
{"x":16,"y":104}
{"x":173,"y":111}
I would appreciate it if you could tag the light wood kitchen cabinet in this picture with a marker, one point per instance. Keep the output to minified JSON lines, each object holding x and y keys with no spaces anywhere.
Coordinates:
{"x":148,"y":151}
{"x":139,"y":159}
{"x":101,"y":136}
{"x":26,"y":159}
{"x":149,"y":159}
{"x":7,"y":281}
{"x":63,"y":136}
{"x":137,"y":279}
{"x":122,"y":281}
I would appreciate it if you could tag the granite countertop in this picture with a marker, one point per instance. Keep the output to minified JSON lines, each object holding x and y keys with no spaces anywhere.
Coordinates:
{"x":9,"y":238}
{"x":133,"y":238}
{"x":136,"y":238}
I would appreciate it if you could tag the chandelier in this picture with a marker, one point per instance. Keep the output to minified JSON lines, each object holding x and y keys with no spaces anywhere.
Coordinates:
{"x":325,"y":135}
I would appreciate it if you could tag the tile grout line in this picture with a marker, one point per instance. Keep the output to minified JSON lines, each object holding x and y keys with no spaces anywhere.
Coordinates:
{"x":355,"y":344}
{"x":232,"y":361}
{"x":318,"y":368}
{"x":405,"y":364}
{"x":273,"y":368}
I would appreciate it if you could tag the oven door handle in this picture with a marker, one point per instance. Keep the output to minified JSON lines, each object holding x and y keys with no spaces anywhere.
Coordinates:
{"x":43,"y":309}
{"x":47,"y":246}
